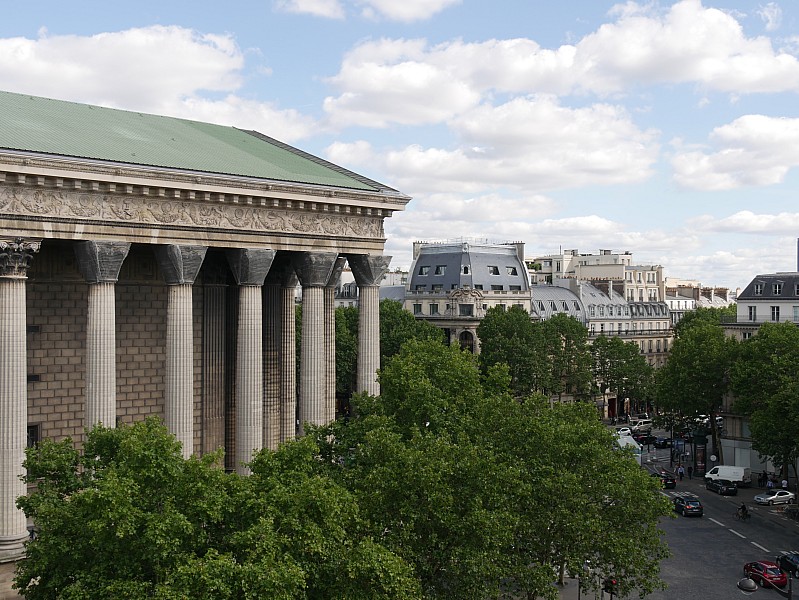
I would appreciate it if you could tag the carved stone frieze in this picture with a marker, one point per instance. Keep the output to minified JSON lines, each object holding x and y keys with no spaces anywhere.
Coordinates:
{"x":109,"y":208}
{"x":16,"y":256}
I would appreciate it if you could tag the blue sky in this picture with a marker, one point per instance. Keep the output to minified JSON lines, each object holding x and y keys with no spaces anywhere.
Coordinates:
{"x":668,"y":129}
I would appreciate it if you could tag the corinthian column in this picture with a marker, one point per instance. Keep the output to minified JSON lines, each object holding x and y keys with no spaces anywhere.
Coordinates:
{"x":179,"y":266}
{"x":314,"y":271}
{"x":330,"y":338}
{"x":368,"y":272}
{"x":15,"y":258}
{"x":250,"y":268}
{"x":100,"y":262}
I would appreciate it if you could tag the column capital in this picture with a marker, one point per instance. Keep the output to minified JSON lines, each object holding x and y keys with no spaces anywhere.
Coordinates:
{"x":250,"y":265}
{"x":368,"y":269}
{"x":16,"y":256}
{"x":335,"y":273}
{"x":100,"y":262}
{"x":314,"y":269}
{"x":180,"y":264}
{"x":282,"y":272}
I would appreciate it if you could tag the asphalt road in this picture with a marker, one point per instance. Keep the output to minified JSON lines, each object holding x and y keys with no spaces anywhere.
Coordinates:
{"x":708,"y":553}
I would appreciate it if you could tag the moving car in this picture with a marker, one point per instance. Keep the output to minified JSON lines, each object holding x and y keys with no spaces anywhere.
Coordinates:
{"x":766,"y":573}
{"x":789,"y":562}
{"x":667,"y":480}
{"x":624,"y":431}
{"x":688,"y":505}
{"x":663,"y":442}
{"x":643,"y":426}
{"x":723,"y":487}
{"x":776,"y":497}
{"x":644,"y":438}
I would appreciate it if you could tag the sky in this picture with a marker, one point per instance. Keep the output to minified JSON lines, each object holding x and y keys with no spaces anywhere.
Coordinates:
{"x":666,"y":129}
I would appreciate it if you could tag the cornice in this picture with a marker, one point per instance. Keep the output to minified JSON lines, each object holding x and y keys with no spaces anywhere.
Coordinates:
{"x":79,"y":174}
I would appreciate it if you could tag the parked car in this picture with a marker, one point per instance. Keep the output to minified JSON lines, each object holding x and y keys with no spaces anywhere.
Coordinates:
{"x":667,"y":480}
{"x":643,"y":426}
{"x":688,"y":505}
{"x":766,"y":573}
{"x":644,"y":438}
{"x":789,"y":562}
{"x":776,"y":497}
{"x":742,"y":476}
{"x":723,"y":487}
{"x":624,"y":431}
{"x":663,"y":442}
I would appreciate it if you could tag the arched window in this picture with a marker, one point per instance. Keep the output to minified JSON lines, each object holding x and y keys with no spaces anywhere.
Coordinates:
{"x":466,"y":340}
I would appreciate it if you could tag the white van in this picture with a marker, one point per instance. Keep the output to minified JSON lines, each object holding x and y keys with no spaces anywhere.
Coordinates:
{"x":740,"y":475}
{"x":643,"y":426}
{"x":625,"y":441}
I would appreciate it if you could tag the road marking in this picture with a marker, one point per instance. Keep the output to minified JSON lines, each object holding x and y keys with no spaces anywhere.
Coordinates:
{"x":718,"y":522}
{"x":738,"y":534}
{"x":759,"y":546}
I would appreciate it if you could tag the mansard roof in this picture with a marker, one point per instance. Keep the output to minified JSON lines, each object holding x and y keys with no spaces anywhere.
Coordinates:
{"x":32,"y":124}
{"x":787,"y":289}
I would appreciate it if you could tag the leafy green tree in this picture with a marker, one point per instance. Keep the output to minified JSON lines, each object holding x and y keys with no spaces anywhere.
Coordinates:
{"x":397,"y":326}
{"x":620,"y":368}
{"x":476,"y":489}
{"x":131,"y":518}
{"x":565,"y":344}
{"x":712,"y":315}
{"x":508,"y":337}
{"x":696,"y":375}
{"x":764,"y":382}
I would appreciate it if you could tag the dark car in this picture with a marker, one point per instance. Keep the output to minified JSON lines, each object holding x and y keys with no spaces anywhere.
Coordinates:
{"x":644,"y":438}
{"x":723,"y":487}
{"x":766,"y":573}
{"x":789,"y":562}
{"x":689,"y":505}
{"x":663,"y":442}
{"x":667,"y":480}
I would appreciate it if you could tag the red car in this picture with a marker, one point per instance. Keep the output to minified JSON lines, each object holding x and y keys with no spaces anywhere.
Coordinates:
{"x":766,"y":573}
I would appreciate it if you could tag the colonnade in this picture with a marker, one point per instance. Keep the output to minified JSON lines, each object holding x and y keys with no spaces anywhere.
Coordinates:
{"x":266,"y":401}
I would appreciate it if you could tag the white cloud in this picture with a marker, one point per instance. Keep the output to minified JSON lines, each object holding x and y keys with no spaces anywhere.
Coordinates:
{"x":753,"y":150}
{"x":410,"y":82}
{"x":161,"y":70}
{"x":771,"y":14}
{"x":406,"y":11}
{"x":783,"y":223}
{"x":330,"y":9}
{"x":532,"y":144}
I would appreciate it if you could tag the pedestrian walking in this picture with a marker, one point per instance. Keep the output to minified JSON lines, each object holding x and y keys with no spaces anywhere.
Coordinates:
{"x":785,"y":484}
{"x":680,"y":471}
{"x":770,"y":484}
{"x":690,"y":472}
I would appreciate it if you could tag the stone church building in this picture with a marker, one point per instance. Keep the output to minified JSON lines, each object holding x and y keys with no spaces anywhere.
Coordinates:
{"x":148,"y":266}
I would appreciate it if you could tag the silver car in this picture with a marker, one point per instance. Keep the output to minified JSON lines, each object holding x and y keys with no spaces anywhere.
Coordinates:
{"x":776,"y":497}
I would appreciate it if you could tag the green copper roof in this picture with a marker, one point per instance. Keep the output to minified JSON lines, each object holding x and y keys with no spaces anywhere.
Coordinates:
{"x":55,"y":127}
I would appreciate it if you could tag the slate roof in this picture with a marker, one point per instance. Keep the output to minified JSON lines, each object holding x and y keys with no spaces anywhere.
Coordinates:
{"x":54,"y":127}
{"x":788,"y":287}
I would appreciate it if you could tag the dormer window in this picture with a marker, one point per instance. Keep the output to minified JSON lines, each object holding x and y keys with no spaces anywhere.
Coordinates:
{"x":440,"y":269}
{"x":465,"y":269}
{"x":758,"y":289}
{"x":512,"y":271}
{"x":493,"y":270}
{"x":424,"y":270}
{"x":777,"y":288}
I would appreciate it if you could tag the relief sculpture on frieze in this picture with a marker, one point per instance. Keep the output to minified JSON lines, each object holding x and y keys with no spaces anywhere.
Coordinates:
{"x":67,"y":204}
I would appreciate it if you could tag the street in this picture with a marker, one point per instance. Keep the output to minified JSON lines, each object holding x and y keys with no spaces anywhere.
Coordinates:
{"x":708,"y":553}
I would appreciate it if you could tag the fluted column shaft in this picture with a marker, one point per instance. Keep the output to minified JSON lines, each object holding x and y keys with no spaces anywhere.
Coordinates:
{"x":14,"y":260}
{"x":249,"y":381}
{"x":314,"y":271}
{"x":101,"y":382}
{"x":179,"y":393}
{"x":179,"y":266}
{"x":329,"y":319}
{"x":368,"y":272}
{"x":250,"y":267}
{"x":368,"y":339}
{"x":271,"y":369}
{"x":100,"y":262}
{"x":288,"y":363}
